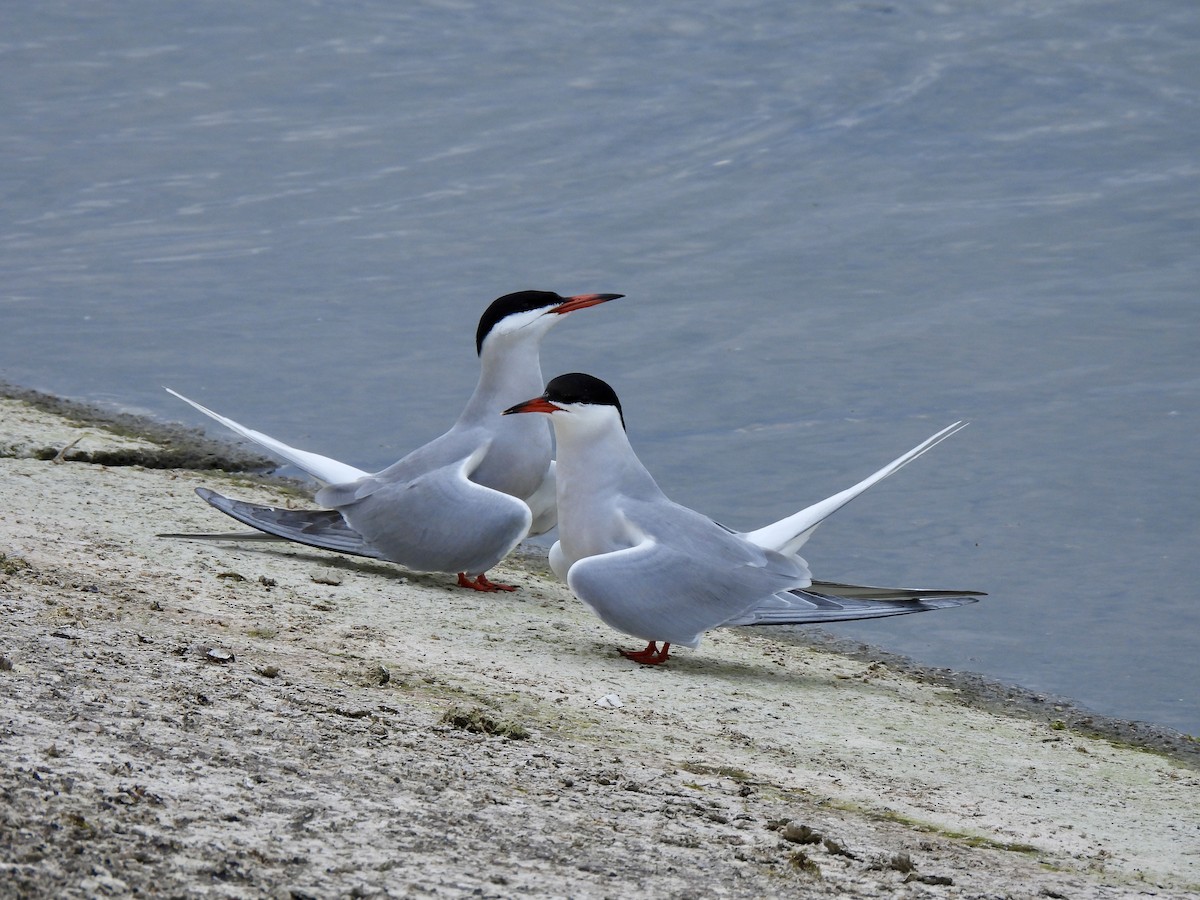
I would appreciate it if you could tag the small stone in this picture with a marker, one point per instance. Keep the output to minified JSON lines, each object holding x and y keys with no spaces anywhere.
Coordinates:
{"x":267,"y":671}
{"x":377,"y":675}
{"x":800,"y":834}
{"x":943,"y":880}
{"x":837,"y":849}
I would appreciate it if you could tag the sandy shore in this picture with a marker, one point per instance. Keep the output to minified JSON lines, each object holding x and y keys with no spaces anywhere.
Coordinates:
{"x":186,"y":719}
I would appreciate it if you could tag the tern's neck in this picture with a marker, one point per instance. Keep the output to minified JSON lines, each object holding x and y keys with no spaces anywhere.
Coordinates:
{"x":508,"y":374}
{"x":599,"y":461}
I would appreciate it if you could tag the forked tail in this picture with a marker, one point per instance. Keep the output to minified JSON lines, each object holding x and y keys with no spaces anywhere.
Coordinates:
{"x":807,"y":607}
{"x":788,"y":535}
{"x":320,"y":467}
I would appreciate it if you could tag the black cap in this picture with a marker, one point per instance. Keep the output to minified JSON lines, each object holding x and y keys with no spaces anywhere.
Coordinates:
{"x":510,"y":304}
{"x":578,"y":387}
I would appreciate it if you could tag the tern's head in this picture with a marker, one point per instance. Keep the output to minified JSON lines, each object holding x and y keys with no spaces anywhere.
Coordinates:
{"x":530,"y":313}
{"x":580,"y":397}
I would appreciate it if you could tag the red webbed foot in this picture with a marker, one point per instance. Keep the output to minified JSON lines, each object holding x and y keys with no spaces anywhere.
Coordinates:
{"x":481,"y":583}
{"x":651,"y":656}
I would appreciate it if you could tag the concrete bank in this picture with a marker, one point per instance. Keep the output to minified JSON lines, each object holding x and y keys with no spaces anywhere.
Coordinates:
{"x":187,"y":719}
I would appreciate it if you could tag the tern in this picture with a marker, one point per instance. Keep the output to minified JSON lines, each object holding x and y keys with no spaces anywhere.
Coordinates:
{"x":458,"y":504}
{"x":665,"y":573}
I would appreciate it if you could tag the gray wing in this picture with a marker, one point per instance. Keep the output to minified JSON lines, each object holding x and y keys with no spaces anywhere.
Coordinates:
{"x":324,"y":528}
{"x":440,"y":520}
{"x":450,"y":449}
{"x":526,"y":473}
{"x":812,"y":606}
{"x":684,"y":575}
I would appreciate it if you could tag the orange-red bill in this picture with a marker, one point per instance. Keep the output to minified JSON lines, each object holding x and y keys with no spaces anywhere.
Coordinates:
{"x":583,"y":301}
{"x":537,"y":404}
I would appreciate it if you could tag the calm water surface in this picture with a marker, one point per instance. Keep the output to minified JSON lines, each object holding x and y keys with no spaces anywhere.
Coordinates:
{"x":839,"y":226}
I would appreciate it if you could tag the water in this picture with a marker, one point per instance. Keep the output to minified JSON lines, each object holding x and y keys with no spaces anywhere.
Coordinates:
{"x":839,"y":226}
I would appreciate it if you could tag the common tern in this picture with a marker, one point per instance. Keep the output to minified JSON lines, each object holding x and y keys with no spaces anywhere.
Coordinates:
{"x":458,"y":504}
{"x":665,"y":573}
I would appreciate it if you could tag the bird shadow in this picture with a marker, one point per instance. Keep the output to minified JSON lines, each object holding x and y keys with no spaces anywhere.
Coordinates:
{"x":393,"y":572}
{"x":359,"y":565}
{"x":713,"y":666}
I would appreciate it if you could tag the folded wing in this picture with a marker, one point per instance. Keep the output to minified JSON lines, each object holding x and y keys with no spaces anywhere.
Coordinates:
{"x":675,"y":588}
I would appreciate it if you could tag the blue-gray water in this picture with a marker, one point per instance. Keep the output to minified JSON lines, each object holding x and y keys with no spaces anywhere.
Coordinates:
{"x":840,"y":226}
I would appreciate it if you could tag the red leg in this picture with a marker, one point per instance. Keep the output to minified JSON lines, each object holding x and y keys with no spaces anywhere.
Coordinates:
{"x":640,"y":655}
{"x":481,"y":583}
{"x":651,"y":656}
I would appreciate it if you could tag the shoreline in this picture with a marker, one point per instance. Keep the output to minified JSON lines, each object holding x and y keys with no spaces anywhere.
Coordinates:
{"x":191,"y":448}
{"x":233,"y":720}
